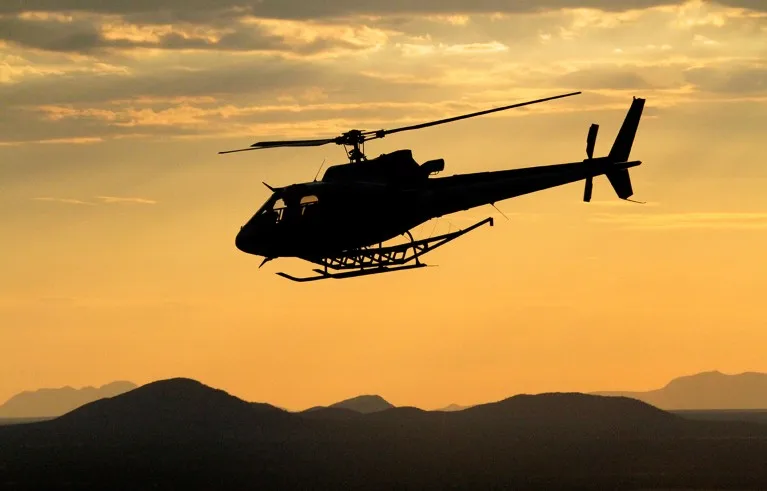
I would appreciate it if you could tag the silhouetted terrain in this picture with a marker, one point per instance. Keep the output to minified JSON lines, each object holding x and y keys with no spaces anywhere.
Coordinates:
{"x":708,"y":390}
{"x":15,"y":421}
{"x":453,"y":407}
{"x":754,"y":415}
{"x":361,"y":404}
{"x":182,"y":434}
{"x":364,"y":404}
{"x":45,"y":403}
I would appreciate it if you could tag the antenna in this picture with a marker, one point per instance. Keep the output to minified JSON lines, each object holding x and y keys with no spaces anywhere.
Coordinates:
{"x":499,"y":211}
{"x":319,"y":170}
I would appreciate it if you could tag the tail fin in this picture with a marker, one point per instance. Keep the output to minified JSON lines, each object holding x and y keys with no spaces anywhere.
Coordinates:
{"x":621,"y":183}
{"x":625,"y":139}
{"x":620,"y":178}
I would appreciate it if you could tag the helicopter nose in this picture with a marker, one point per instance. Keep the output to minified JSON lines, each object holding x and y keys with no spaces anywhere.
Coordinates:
{"x":244,"y":240}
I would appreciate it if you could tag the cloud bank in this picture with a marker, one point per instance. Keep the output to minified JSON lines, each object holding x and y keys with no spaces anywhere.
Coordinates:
{"x":87,"y":71}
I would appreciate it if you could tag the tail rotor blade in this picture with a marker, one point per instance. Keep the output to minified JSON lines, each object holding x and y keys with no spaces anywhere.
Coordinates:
{"x":591,"y":140}
{"x":588,"y":189}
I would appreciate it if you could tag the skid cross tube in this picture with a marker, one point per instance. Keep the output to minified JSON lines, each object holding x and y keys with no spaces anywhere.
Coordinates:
{"x":324,"y":275}
{"x":374,"y":260}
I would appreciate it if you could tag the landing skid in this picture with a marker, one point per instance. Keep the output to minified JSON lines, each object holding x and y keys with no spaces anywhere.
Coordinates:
{"x":376,"y":260}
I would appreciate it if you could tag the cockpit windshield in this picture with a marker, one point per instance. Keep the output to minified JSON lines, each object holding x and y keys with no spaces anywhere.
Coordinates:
{"x":284,"y":207}
{"x":278,"y":209}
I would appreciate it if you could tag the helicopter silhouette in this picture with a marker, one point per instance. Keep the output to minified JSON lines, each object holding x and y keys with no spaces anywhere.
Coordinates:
{"x":341,"y":222}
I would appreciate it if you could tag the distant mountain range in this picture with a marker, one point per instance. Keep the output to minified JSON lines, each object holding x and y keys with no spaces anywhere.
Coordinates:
{"x":44,"y":403}
{"x":182,"y":434}
{"x":707,"y":390}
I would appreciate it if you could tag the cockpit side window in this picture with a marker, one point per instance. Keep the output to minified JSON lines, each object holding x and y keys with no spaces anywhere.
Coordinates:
{"x":307,"y":202}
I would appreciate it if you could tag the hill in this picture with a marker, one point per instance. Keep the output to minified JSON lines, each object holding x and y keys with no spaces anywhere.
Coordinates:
{"x":44,"y":403}
{"x":179,"y":408}
{"x":707,"y":390}
{"x":364,"y":404}
{"x":184,"y":434}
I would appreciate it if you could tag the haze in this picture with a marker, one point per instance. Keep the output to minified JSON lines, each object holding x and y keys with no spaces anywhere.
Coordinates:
{"x":118,"y":222}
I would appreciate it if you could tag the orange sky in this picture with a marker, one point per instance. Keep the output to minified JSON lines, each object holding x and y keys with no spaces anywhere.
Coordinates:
{"x":119,"y":218}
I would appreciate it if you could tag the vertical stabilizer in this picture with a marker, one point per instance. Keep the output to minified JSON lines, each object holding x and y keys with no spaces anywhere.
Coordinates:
{"x":621,"y":183}
{"x":625,"y":139}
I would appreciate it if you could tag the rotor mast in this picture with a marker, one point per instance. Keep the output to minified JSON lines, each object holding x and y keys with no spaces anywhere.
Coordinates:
{"x":356,"y":140}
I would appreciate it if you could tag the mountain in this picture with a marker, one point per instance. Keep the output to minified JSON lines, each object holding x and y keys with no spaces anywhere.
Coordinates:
{"x":364,"y":404}
{"x":182,"y":434}
{"x":452,"y":407}
{"x":178,"y":408}
{"x":44,"y":403}
{"x":707,"y":390}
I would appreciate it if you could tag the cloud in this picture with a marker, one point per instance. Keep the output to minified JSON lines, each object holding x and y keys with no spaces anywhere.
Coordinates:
{"x":425,"y":49}
{"x":91,"y":34}
{"x":619,"y":79}
{"x":68,"y":201}
{"x":730,"y":80}
{"x":84,"y":140}
{"x":103,"y":199}
{"x":300,"y":9}
{"x":170,"y":70}
{"x":222,"y":11}
{"x":232,"y":76}
{"x":122,"y":200}
{"x":51,"y":35}
{"x":691,"y":220}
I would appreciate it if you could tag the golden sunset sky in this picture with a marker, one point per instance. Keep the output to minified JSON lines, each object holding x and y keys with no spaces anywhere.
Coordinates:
{"x":118,"y":216}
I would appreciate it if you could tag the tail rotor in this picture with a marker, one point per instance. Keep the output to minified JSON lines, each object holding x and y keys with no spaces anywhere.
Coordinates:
{"x":591,"y":141}
{"x":616,"y":164}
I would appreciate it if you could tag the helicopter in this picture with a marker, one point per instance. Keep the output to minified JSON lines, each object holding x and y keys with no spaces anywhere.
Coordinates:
{"x":341,"y":222}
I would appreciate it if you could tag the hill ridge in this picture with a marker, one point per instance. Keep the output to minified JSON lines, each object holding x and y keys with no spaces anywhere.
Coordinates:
{"x":711,"y":389}
{"x":56,"y":401}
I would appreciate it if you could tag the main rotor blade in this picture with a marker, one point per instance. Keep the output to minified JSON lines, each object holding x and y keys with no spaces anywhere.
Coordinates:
{"x":382,"y":133}
{"x":293,"y":143}
{"x":283,"y":143}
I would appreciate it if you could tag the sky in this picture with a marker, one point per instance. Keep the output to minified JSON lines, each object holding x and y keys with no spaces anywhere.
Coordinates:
{"x":118,"y":216}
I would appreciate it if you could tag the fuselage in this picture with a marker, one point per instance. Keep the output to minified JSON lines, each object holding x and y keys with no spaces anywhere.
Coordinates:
{"x":358,"y":207}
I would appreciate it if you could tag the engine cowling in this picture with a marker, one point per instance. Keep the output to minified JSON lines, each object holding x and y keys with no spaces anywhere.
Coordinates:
{"x":433,"y":166}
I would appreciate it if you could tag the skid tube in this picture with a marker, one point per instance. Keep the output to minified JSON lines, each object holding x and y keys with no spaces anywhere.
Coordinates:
{"x":376,"y":260}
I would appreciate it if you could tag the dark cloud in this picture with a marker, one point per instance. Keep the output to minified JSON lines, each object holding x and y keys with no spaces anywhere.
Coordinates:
{"x":206,"y":10}
{"x":301,"y":9}
{"x":744,"y":80}
{"x":759,"y":5}
{"x":77,"y":36}
{"x":248,"y":79}
{"x":261,"y":76}
{"x":100,"y":103}
{"x":86,"y":36}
